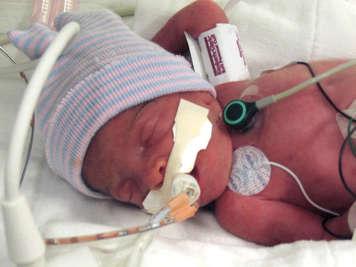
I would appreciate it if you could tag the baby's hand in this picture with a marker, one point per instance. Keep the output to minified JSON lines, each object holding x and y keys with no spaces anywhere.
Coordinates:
{"x":196,"y":18}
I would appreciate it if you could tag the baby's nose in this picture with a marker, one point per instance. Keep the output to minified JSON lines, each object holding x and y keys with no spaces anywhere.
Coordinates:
{"x":156,"y":172}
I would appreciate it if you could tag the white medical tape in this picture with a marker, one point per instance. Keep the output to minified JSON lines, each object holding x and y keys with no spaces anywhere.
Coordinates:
{"x":195,"y":56}
{"x":250,"y":172}
{"x":351,"y":218}
{"x":251,"y":90}
{"x":343,"y":122}
{"x":192,"y":132}
{"x":222,"y":54}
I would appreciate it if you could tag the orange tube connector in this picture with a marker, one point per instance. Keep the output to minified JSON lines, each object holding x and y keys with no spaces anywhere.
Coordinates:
{"x":180,"y":208}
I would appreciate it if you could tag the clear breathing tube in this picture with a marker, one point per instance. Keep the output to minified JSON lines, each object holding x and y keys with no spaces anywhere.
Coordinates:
{"x":274,"y":98}
{"x":27,"y":107}
{"x":25,"y":244}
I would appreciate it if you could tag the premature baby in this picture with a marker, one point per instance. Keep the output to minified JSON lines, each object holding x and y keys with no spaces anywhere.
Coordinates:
{"x":107,"y":110}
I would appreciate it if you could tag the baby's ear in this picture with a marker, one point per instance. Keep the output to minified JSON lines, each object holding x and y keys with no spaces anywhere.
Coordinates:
{"x":34,"y":41}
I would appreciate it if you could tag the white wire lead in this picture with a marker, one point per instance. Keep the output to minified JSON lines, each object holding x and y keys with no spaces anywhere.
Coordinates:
{"x":302,"y":188}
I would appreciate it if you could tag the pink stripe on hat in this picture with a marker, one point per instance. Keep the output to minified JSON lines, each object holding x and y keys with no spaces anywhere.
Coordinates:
{"x":105,"y":69}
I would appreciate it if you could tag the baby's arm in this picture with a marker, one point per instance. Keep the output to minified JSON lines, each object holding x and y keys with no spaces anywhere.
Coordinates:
{"x":196,"y":18}
{"x":270,"y":222}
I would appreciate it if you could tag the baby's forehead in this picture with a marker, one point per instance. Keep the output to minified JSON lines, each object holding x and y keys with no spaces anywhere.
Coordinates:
{"x":166,"y":106}
{"x":174,"y":98}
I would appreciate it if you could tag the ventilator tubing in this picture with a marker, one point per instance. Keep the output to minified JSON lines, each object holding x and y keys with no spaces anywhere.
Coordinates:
{"x":191,"y":133}
{"x":24,"y":241}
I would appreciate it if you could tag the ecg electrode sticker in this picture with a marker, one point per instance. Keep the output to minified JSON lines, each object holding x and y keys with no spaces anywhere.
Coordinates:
{"x":250,"y":172}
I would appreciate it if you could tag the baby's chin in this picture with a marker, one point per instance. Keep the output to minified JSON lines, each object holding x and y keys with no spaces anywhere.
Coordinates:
{"x":213,"y":165}
{"x":212,"y":192}
{"x":212,"y":181}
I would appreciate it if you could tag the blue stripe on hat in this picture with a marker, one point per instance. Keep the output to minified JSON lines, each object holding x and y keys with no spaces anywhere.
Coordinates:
{"x":83,"y":109}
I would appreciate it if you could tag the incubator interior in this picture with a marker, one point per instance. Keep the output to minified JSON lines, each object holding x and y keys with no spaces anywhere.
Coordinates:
{"x":293,"y":31}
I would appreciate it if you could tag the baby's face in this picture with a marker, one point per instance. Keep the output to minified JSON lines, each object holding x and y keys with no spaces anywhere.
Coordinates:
{"x":128,"y":155}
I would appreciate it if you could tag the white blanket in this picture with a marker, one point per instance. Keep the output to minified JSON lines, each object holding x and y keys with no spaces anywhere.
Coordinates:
{"x":273,"y":33}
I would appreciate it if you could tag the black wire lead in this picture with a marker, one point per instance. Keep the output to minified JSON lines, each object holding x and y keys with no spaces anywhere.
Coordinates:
{"x":348,"y":138}
{"x":338,"y":236}
{"x":324,"y":93}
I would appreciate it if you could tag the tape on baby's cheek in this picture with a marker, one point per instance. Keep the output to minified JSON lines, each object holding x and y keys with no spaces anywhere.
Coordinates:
{"x":344,"y":122}
{"x":192,"y":133}
{"x":222,"y":55}
{"x":250,"y":172}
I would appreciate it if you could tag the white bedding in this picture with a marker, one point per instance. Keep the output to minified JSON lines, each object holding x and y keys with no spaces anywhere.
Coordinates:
{"x":273,"y":33}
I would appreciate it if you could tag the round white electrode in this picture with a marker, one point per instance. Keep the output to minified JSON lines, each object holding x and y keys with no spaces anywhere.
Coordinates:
{"x":250,"y":171}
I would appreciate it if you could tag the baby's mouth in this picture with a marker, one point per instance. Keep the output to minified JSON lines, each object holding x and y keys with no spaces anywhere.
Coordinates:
{"x":196,"y":174}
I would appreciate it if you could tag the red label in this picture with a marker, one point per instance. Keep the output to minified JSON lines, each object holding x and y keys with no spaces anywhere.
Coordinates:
{"x":214,"y":54}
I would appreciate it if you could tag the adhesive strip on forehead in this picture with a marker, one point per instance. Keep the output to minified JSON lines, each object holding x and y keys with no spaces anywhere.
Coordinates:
{"x":192,"y":132}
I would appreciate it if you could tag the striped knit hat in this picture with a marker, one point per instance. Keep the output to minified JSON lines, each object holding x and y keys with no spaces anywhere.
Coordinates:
{"x":104,"y":70}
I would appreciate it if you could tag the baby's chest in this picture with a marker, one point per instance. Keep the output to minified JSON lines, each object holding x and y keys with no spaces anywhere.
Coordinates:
{"x":284,"y":174}
{"x":303,"y":136}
